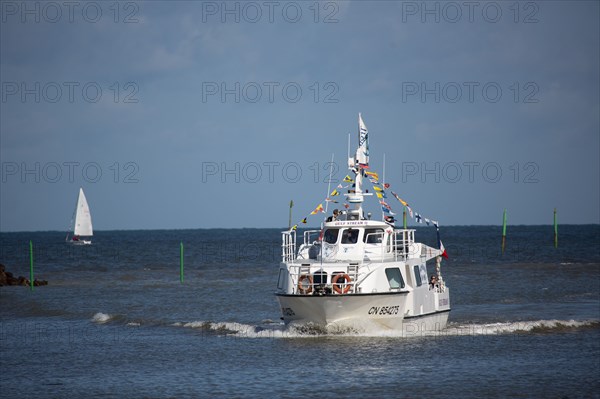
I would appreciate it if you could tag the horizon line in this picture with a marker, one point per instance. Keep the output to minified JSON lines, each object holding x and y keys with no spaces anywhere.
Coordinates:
{"x":285,"y":229}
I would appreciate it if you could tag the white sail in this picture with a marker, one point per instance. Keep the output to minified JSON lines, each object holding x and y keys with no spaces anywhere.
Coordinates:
{"x":83,"y":218}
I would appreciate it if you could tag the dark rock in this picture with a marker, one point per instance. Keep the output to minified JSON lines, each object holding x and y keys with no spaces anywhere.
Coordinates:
{"x":7,"y":278}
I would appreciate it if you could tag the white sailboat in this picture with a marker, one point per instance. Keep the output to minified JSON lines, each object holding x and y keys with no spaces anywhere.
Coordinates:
{"x":82,"y":222}
{"x":362,"y":273}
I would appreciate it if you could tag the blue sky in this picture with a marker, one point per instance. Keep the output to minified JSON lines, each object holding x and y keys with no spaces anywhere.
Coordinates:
{"x":212,"y":114}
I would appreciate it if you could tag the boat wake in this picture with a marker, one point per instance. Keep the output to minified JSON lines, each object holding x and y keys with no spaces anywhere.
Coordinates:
{"x":276,"y":329}
{"x":270,"y":329}
{"x":520,"y":327}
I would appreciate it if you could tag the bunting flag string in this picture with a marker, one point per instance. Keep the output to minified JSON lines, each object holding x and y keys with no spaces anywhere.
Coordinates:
{"x":399,"y":199}
{"x":380,"y":192}
{"x":318,"y":209}
{"x":383,"y":203}
{"x":374,"y":175}
{"x":388,"y":211}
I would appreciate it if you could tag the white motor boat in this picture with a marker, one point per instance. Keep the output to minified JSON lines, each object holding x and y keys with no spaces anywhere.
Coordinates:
{"x":360,"y":273}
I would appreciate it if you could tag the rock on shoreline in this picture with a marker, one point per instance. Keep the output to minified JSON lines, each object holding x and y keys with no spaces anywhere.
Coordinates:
{"x":7,"y":278}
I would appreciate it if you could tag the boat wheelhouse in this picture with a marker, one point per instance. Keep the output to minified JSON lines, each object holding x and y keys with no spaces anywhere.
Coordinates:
{"x":361,"y":273}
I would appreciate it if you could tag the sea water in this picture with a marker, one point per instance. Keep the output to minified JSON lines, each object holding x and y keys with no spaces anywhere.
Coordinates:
{"x":116,"y":321}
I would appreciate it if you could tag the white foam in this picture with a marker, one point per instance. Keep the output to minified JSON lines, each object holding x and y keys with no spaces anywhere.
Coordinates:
{"x":101,"y":318}
{"x":410,"y":331}
{"x":516,"y":327}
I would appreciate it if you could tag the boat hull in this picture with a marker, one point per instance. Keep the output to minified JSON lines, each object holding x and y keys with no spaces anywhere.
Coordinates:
{"x":362,"y":312}
{"x":81,"y":242}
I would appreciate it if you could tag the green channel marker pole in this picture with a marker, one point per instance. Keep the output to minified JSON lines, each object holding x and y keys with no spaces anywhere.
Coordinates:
{"x":503,"y":230}
{"x":181,"y":262}
{"x":555,"y":230}
{"x":31,"y":265}
{"x":404,"y":218}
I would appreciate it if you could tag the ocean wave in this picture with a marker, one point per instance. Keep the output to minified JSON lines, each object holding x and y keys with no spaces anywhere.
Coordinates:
{"x":101,"y":318}
{"x":536,"y":326}
{"x":121,"y":319}
{"x":278,"y":330}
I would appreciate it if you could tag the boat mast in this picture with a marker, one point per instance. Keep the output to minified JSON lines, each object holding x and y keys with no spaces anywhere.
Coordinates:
{"x":359,"y":158}
{"x":72,"y":224}
{"x":383,"y":181}
{"x":329,"y":184}
{"x":360,"y":161}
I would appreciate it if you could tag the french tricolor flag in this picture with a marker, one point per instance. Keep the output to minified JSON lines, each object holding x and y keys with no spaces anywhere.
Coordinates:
{"x":440,"y":244}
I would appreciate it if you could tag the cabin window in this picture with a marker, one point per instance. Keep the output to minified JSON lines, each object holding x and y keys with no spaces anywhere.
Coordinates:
{"x":320,"y":277}
{"x":281,"y":279}
{"x":394,"y":278}
{"x":373,"y":236}
{"x":331,"y":236}
{"x":418,"y":276}
{"x":423,"y":270}
{"x":350,"y":236}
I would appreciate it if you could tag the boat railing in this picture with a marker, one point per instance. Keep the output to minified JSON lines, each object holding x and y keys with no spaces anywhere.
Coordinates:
{"x":305,"y":282}
{"x":309,"y":236}
{"x":288,"y":246}
{"x":402,"y":240}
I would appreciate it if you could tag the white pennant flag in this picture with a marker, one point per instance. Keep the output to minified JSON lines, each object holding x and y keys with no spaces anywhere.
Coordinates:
{"x":362,"y":153}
